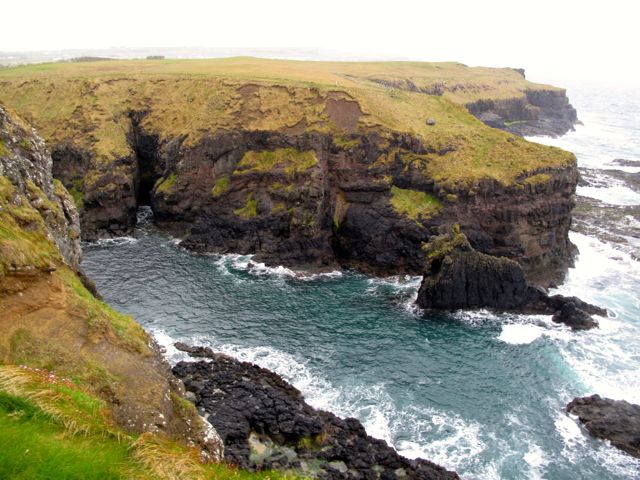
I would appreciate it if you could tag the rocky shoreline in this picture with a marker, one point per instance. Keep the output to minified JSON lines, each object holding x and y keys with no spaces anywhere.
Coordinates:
{"x":265,"y":423}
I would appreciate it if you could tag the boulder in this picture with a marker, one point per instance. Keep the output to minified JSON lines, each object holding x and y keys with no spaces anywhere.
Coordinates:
{"x":615,"y":420}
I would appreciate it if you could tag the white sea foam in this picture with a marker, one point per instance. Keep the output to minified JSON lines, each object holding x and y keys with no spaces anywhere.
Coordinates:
{"x":572,"y":436}
{"x":605,"y":358}
{"x":446,"y":439}
{"x":228,"y":262}
{"x":443,"y":438}
{"x":616,"y":195}
{"x":519,"y":334}
{"x":405,"y":287}
{"x":579,"y":445}
{"x":536,"y":460}
{"x":112,"y":242}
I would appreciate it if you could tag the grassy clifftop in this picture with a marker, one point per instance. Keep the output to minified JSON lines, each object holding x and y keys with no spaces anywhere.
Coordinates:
{"x":88,"y":106}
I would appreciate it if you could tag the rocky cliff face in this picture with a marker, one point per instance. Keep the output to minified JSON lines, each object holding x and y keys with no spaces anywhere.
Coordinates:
{"x":316,"y":201}
{"x":26,"y":164}
{"x":537,"y":112}
{"x":48,"y":318}
{"x":352,"y":170}
{"x":526,"y":111}
{"x":460,"y":277}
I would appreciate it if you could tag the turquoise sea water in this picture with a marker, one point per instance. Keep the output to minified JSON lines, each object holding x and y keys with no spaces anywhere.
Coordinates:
{"x":476,"y":392}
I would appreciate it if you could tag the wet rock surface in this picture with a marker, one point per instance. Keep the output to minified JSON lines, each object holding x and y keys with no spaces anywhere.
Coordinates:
{"x":615,"y":420}
{"x":266,"y":424}
{"x":459,"y":277}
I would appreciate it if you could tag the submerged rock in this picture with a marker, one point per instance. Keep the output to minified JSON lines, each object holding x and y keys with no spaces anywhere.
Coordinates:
{"x":459,"y":277}
{"x":266,"y":424}
{"x":615,"y":420}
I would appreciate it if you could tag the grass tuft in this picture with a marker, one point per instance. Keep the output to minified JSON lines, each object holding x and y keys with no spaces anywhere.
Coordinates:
{"x":290,"y":160}
{"x":414,"y":204}
{"x":249,"y":210}
{"x":221,"y":186}
{"x":166,"y":185}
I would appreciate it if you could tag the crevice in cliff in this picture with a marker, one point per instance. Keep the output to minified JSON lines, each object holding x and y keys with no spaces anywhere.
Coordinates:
{"x":149,"y":166}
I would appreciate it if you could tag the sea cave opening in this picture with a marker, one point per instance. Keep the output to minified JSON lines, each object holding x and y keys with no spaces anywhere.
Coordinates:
{"x":148,"y":162}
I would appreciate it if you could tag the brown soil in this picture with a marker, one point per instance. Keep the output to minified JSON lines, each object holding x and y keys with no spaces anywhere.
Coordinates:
{"x":344,"y":113}
{"x":43,"y":326}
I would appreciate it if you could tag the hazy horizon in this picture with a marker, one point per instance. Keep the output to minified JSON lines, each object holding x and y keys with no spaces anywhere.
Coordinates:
{"x":571,"y":41}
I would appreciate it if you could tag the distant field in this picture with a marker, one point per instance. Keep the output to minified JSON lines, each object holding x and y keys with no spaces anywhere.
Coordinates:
{"x":460,"y":83}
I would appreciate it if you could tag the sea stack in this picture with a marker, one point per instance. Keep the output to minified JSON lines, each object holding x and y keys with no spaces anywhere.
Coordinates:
{"x":460,"y":277}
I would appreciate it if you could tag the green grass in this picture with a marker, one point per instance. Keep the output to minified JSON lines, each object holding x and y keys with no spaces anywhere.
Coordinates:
{"x":220,"y":187}
{"x":77,"y":193}
{"x":195,"y":98}
{"x":23,"y":237}
{"x":442,"y":245}
{"x":4,"y":151}
{"x":34,"y":447}
{"x":166,"y":185}
{"x":538,"y":179}
{"x":102,"y":318}
{"x":290,"y":160}
{"x":249,"y":210}
{"x":50,"y":429}
{"x":414,"y":204}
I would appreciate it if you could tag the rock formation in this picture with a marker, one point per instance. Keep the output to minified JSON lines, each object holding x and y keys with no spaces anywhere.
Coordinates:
{"x":615,"y":420}
{"x":266,"y":424}
{"x":26,"y":164}
{"x":344,"y":170}
{"x":459,"y":277}
{"x":537,"y":112}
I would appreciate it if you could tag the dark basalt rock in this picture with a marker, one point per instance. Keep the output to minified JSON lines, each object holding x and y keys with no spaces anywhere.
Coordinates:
{"x":538,"y":112}
{"x":576,"y":318}
{"x":266,"y":424}
{"x":623,"y":162}
{"x":337,"y":213}
{"x":459,"y":277}
{"x":615,"y":420}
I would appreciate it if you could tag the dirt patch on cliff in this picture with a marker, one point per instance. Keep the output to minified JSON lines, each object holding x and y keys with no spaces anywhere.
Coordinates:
{"x":344,"y":113}
{"x":45,"y":326}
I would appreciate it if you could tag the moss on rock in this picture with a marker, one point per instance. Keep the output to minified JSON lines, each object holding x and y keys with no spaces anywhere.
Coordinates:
{"x":414,"y":204}
{"x":291,"y":161}
{"x":249,"y":210}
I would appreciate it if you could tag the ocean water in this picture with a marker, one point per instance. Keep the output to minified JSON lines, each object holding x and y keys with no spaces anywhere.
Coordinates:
{"x":477,"y":392}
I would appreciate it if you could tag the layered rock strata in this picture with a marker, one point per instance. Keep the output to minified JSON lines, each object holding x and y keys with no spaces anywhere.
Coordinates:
{"x":51,"y":321}
{"x":351,"y":164}
{"x":537,"y":112}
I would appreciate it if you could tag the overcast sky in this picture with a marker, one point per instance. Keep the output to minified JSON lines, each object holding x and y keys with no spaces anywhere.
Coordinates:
{"x":552,"y":39}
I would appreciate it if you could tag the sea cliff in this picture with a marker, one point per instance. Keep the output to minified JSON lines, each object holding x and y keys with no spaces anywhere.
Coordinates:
{"x":85,"y":390}
{"x":306,"y":164}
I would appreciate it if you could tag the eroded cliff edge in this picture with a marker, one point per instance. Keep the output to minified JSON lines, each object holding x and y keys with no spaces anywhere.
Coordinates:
{"x":65,"y":355}
{"x":320,"y":166}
